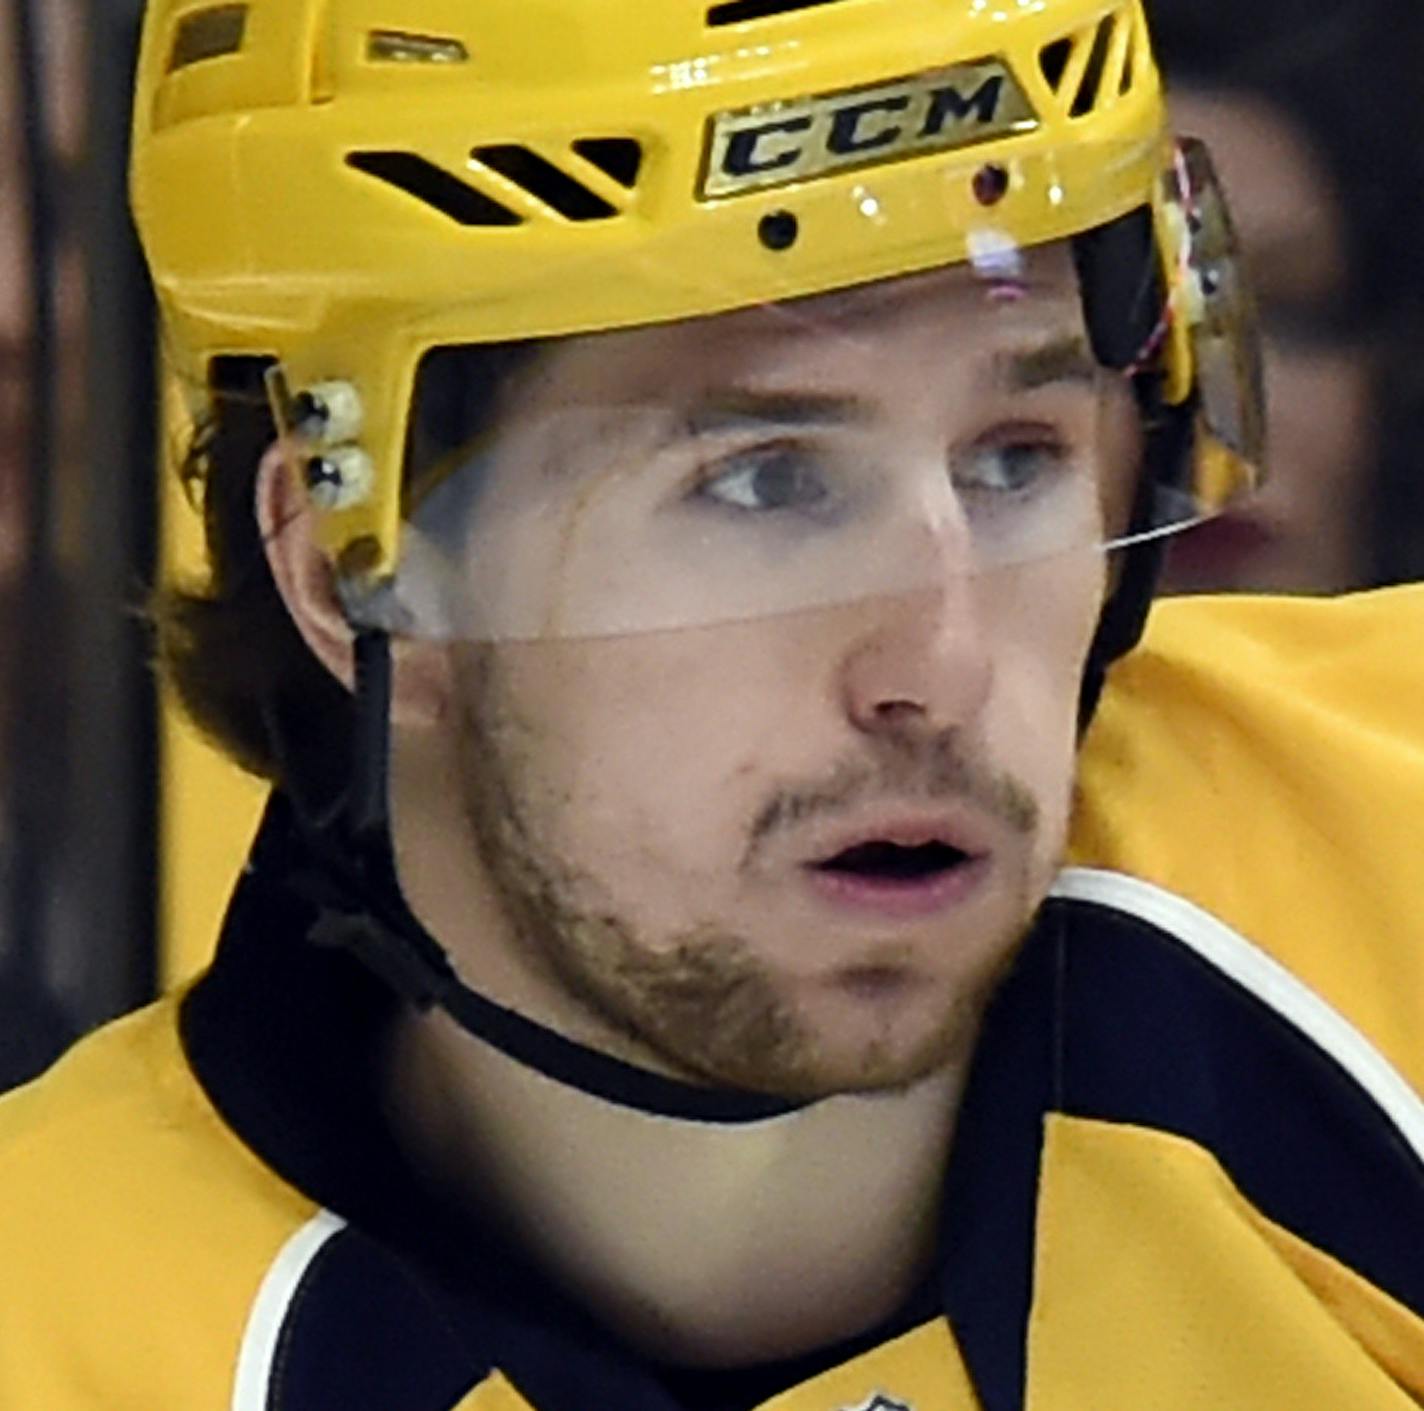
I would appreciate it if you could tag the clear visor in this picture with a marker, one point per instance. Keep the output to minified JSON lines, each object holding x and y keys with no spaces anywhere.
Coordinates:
{"x":879,"y":440}
{"x":771,"y":497}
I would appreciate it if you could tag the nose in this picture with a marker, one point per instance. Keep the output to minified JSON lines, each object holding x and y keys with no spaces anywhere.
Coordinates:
{"x":921,"y":665}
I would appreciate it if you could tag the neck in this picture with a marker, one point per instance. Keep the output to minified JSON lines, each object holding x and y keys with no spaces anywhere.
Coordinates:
{"x":702,"y":1243}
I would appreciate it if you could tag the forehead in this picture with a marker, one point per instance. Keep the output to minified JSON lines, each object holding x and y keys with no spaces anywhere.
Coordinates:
{"x":850,"y":335}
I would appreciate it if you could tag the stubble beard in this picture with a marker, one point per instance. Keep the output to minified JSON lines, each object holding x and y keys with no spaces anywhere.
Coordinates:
{"x":700,"y":1004}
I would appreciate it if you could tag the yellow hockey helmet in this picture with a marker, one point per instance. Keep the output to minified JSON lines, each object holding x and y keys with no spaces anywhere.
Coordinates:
{"x":342,"y":186}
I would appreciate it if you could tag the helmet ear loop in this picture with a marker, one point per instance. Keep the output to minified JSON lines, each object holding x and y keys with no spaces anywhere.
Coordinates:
{"x":367,"y":802}
{"x":359,"y":905}
{"x":345,"y":802}
{"x":1128,"y":317}
{"x":1167,"y":448}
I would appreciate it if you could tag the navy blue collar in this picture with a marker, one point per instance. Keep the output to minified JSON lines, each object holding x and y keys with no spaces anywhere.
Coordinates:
{"x":287,"y":1038}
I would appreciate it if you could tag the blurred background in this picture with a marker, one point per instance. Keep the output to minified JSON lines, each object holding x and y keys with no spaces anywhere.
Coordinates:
{"x":78,"y":485}
{"x":120,"y":833}
{"x":1313,"y":110}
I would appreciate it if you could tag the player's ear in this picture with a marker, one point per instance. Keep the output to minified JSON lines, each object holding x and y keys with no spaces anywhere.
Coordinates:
{"x":422,"y":680}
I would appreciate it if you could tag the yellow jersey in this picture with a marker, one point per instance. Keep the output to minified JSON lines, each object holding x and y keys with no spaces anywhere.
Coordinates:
{"x":1188,"y":1172}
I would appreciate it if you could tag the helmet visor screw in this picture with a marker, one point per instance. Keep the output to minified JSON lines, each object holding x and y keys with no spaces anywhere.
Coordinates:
{"x":341,"y":478}
{"x":323,"y":480}
{"x":779,"y":230}
{"x":991,"y":184}
{"x":329,"y":413}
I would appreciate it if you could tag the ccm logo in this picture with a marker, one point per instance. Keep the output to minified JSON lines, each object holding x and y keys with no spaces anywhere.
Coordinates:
{"x":756,"y":148}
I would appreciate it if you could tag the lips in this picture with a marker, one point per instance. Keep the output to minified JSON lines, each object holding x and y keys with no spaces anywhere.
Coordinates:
{"x":901,"y":869}
{"x":892,"y":862}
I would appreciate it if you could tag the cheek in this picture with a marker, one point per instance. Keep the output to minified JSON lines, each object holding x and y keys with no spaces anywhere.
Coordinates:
{"x":649,"y":749}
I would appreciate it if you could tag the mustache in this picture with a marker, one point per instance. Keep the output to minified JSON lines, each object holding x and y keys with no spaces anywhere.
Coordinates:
{"x":938,"y":767}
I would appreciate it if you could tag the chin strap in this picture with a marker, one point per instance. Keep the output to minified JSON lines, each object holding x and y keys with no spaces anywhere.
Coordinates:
{"x":1123,"y":299}
{"x":350,"y":876}
{"x":1166,"y":452}
{"x":352,"y":881}
{"x":368,"y":797}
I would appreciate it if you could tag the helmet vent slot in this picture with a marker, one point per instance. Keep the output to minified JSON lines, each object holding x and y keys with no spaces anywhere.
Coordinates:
{"x":545,"y":182}
{"x":394,"y":46}
{"x":207,"y":34}
{"x":1053,"y":60}
{"x":1095,"y":65}
{"x":618,"y":157}
{"x":740,"y":11}
{"x":1129,"y":57}
{"x":1086,"y":99}
{"x":434,"y":186}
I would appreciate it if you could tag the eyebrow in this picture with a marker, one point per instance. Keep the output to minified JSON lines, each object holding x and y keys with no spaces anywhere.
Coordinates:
{"x":737,"y":408}
{"x":1066,"y":358}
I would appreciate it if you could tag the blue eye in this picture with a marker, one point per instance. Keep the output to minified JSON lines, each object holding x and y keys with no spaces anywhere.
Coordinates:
{"x":1008,"y":468}
{"x":771,"y":478}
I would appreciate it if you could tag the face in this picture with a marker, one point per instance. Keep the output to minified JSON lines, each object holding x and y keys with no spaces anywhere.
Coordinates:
{"x":784,"y":775}
{"x":1301,"y":532}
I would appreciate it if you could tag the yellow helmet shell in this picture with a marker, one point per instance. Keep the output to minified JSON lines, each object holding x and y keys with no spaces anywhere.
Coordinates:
{"x":315,"y":187}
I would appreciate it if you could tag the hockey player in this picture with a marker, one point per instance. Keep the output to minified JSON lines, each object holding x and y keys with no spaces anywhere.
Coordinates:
{"x":676,"y":482}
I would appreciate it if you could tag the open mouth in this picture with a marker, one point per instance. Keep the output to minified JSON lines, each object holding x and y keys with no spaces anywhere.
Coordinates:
{"x":892,"y":862}
{"x":902,"y":869}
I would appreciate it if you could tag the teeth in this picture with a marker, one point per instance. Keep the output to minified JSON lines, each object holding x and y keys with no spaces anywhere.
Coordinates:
{"x":894,"y":861}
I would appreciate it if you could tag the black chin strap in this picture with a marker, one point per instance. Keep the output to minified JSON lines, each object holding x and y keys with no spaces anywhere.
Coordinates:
{"x":351,"y":879}
{"x":368,"y":801}
{"x":352,"y":875}
{"x":1138,"y":567}
{"x":1123,"y":299}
